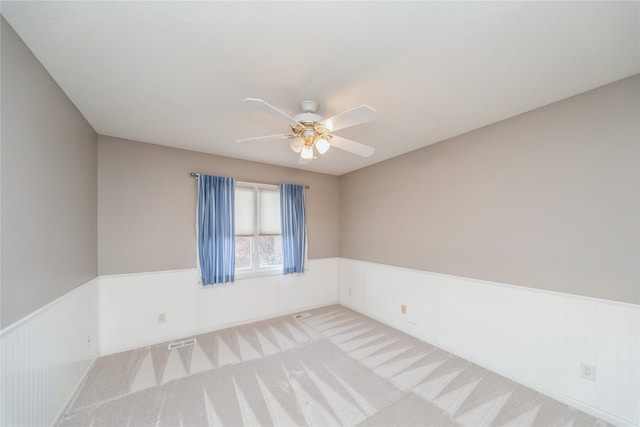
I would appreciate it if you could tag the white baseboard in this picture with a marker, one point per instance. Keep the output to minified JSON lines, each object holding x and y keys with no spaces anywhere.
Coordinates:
{"x":534,"y":337}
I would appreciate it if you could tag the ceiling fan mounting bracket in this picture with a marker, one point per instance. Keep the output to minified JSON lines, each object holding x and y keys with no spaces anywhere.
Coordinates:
{"x":309,"y":106}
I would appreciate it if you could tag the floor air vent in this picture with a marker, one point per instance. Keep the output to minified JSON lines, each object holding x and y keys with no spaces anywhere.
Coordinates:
{"x":301,"y":315}
{"x":182,"y":344}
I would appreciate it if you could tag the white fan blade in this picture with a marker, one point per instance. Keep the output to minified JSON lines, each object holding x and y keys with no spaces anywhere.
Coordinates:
{"x":351,"y":146}
{"x":266,"y":137}
{"x":352,"y":117}
{"x":270,"y":109}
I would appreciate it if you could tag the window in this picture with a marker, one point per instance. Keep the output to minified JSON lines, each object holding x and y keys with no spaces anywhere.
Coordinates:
{"x":258,"y":235}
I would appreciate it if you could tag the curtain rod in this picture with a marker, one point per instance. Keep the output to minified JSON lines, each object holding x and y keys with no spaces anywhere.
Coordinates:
{"x":196,"y":175}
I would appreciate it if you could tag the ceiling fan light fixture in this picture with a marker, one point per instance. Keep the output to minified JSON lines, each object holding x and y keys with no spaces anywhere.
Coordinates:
{"x":307,"y":152}
{"x":322,"y":145}
{"x":309,"y":129}
{"x":309,"y":135}
{"x":296,"y":144}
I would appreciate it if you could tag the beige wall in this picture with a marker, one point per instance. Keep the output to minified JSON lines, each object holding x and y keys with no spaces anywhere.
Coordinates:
{"x":146,"y":213}
{"x":49,"y":202}
{"x":548,"y":199}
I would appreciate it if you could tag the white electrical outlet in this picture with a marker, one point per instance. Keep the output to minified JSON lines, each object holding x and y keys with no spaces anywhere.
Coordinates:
{"x":162,"y":317}
{"x":588,"y":371}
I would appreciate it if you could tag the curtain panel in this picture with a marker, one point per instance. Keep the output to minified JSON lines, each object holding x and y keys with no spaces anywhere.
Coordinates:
{"x":294,"y":227}
{"x":216,"y":229}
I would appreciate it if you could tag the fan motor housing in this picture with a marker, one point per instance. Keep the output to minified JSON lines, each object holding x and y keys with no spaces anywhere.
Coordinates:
{"x":308,"y":117}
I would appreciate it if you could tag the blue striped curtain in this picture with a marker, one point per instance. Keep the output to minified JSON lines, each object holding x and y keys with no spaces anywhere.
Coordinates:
{"x":216,"y":229}
{"x":294,"y":227}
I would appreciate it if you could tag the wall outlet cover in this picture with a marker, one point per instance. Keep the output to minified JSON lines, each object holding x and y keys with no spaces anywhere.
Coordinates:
{"x":588,"y":371}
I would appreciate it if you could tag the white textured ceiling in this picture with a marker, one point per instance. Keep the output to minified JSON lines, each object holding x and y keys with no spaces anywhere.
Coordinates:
{"x":175,"y":73}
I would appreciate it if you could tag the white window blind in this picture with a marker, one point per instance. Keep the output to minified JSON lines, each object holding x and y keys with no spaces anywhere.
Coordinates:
{"x":269,"y":212}
{"x":258,"y":230}
{"x":245,"y":214}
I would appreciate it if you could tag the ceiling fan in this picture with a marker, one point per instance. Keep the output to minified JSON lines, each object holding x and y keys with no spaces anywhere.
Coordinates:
{"x":310,"y":132}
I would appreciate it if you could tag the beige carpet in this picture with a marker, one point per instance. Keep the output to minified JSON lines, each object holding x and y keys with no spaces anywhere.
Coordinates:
{"x":334,"y":368}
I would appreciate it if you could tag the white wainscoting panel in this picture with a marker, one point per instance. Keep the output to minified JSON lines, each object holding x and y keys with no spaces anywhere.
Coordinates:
{"x":46,"y":355}
{"x":130,"y":303}
{"x":535,"y":337}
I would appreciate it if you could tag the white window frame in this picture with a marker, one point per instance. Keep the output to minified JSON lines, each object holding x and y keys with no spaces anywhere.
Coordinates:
{"x":256,"y":270}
